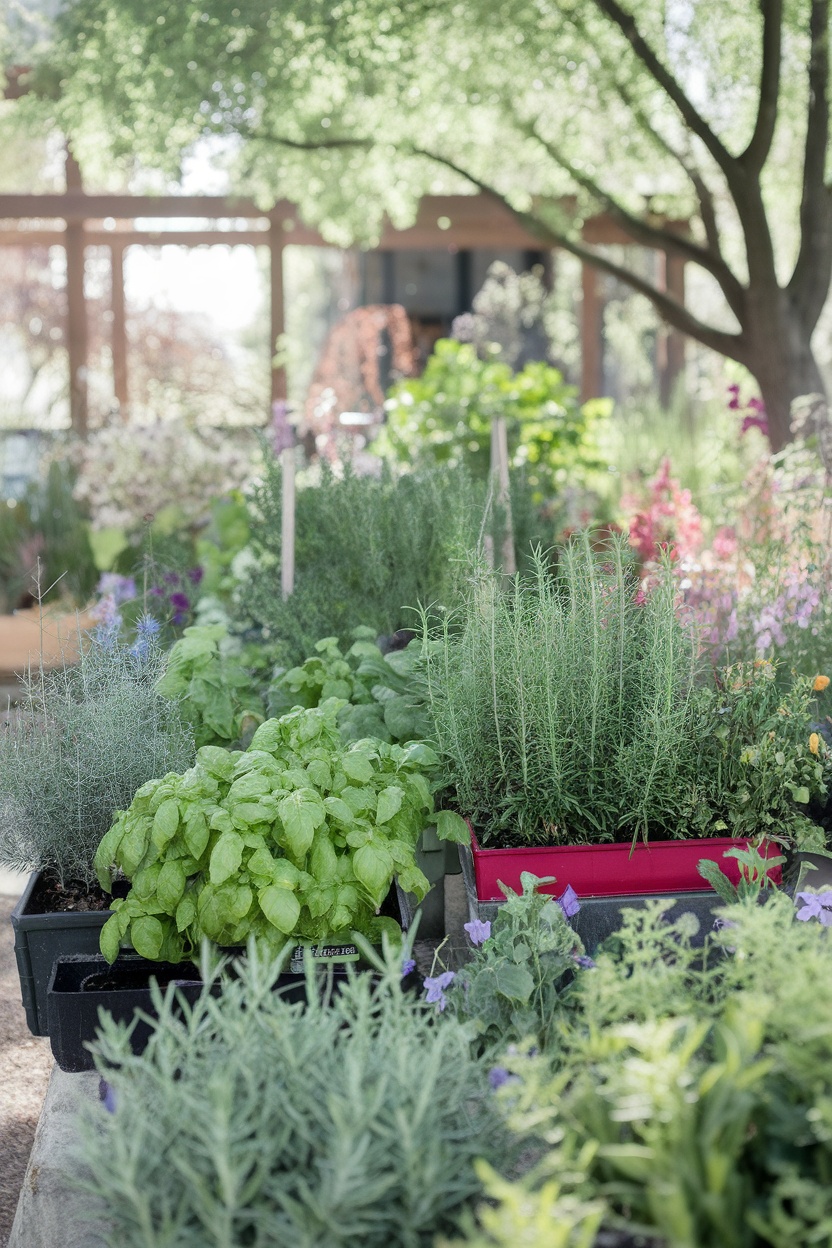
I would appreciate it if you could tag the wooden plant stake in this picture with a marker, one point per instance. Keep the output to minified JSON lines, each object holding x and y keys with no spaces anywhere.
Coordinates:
{"x":501,"y":490}
{"x":284,"y":446}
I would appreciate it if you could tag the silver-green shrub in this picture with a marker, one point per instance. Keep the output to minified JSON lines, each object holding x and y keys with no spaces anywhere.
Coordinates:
{"x":253,"y":1121}
{"x":82,"y":739}
{"x":564,"y":706}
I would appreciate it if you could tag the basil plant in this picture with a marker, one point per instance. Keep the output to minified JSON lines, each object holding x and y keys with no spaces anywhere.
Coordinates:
{"x":297,"y":838}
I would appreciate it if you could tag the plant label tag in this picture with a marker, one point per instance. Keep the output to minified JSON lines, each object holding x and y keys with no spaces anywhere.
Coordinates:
{"x":322,"y":953}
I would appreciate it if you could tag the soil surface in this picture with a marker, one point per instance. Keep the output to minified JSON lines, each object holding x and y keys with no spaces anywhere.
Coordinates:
{"x":25,"y":1065}
{"x":52,"y":897}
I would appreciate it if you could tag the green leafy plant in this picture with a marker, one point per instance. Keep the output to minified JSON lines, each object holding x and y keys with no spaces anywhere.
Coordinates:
{"x":45,"y":525}
{"x":765,"y":764}
{"x":692,"y":1080}
{"x":564,"y":706}
{"x":523,"y":961}
{"x":367,"y":550}
{"x":385,"y":692}
{"x":754,"y":875}
{"x":216,"y":694}
{"x":349,"y":1120}
{"x":445,"y":417}
{"x":82,"y":740}
{"x":297,"y":838}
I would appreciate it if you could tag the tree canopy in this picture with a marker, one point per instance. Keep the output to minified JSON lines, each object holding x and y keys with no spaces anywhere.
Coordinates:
{"x":709,"y":112}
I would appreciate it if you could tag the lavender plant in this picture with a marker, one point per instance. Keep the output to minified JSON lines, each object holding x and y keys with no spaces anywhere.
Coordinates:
{"x":350,"y":1121}
{"x":79,"y":743}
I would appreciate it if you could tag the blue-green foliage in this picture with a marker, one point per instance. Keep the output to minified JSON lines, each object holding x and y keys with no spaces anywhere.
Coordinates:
{"x":346,"y":1123}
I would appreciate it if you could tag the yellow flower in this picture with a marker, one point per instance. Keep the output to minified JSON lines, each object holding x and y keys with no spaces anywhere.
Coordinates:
{"x":814,"y":742}
{"x":820,"y":683}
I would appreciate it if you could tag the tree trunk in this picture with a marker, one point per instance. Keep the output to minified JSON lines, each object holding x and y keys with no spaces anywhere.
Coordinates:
{"x":783,"y":365}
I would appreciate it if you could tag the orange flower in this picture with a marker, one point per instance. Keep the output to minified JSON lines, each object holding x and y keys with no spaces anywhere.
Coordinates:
{"x":820,"y":683}
{"x":814,"y":742}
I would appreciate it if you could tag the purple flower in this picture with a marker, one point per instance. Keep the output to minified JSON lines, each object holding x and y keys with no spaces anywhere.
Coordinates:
{"x":815,"y":907}
{"x":568,"y":902}
{"x":148,"y":626}
{"x":181,"y":604}
{"x":171,"y":578}
{"x":478,"y":930}
{"x":107,"y":1096}
{"x":584,"y":962}
{"x":497,"y":1076}
{"x":195,"y":575}
{"x":119,"y":588}
{"x":435,"y":988}
{"x":408,"y":967}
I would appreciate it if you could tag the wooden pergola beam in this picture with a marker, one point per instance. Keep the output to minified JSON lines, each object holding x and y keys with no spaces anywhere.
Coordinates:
{"x":463,"y":222}
{"x":443,"y":222}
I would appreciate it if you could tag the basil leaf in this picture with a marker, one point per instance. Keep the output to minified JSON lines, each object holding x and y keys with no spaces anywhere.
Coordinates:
{"x":225,"y":857}
{"x":280,"y":906}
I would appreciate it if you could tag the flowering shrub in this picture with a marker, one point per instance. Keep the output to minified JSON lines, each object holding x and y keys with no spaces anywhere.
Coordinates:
{"x":669,"y":521}
{"x":129,"y":474}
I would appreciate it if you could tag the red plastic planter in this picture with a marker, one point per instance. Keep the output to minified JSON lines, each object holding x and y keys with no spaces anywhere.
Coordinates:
{"x":612,"y":870}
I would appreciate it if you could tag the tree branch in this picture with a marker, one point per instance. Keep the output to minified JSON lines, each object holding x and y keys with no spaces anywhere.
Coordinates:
{"x":642,"y":231}
{"x":809,"y":284}
{"x":676,"y":314}
{"x":692,"y":118}
{"x":759,"y":145}
{"x":704,"y":195}
{"x":309,"y":145}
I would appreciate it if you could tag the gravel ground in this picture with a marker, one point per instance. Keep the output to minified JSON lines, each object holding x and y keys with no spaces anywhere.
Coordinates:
{"x":25,"y":1065}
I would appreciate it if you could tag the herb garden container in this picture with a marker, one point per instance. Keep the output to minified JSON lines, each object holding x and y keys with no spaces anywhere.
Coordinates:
{"x":81,"y":985}
{"x":610,"y":870}
{"x":607,"y":878}
{"x":40,"y":939}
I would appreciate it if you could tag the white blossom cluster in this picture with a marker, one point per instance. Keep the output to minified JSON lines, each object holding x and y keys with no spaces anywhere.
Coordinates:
{"x":128,"y":474}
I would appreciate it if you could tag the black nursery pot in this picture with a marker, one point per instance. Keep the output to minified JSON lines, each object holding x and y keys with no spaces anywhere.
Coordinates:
{"x":81,"y":986}
{"x":39,"y":940}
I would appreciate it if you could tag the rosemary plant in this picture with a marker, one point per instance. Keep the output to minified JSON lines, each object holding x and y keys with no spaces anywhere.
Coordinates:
{"x":367,"y":549}
{"x":82,"y":739}
{"x":564,"y":706}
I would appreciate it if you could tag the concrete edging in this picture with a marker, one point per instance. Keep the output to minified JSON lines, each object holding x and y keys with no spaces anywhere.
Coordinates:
{"x":50,"y":1213}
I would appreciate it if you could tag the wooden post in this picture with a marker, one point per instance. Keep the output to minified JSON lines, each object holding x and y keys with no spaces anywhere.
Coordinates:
{"x":591,"y":335}
{"x":276,"y":308}
{"x":502,"y":490}
{"x":77,"y":335}
{"x":287,"y":523}
{"x":118,"y":329}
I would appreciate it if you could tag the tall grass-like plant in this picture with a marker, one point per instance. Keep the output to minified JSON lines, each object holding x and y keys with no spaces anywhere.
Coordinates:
{"x":564,"y":706}
{"x":82,"y":739}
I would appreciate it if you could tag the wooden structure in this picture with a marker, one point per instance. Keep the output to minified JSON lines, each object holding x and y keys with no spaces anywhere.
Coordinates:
{"x":76,"y":220}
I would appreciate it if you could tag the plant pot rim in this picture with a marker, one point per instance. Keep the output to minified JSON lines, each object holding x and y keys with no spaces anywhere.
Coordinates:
{"x":35,"y":920}
{"x":611,"y":869}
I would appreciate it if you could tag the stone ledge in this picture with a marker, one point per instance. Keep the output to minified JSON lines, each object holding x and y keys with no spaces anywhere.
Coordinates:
{"x":50,"y":1213}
